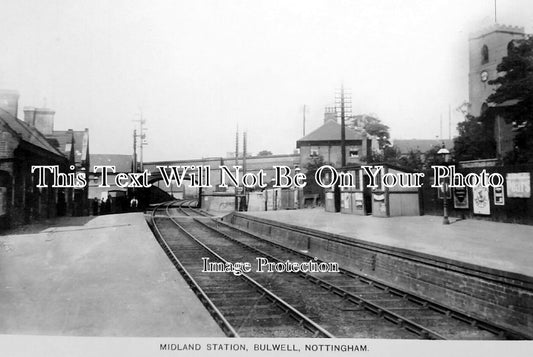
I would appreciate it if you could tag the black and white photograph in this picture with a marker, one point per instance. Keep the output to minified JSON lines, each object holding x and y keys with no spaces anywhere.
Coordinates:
{"x":266,"y":177}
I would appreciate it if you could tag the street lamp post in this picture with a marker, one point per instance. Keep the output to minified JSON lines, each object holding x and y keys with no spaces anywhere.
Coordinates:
{"x":445,"y":155}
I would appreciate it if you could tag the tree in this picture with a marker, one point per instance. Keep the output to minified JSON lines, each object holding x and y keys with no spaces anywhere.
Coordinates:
{"x":311,"y":168}
{"x":515,"y":88}
{"x":265,"y":153}
{"x":392,"y":155}
{"x":389,"y":155}
{"x":373,"y":126}
{"x":413,"y":160}
{"x":314,"y":164}
{"x":476,"y":139}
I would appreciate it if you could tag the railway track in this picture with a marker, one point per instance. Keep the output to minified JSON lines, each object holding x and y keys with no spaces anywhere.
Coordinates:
{"x":241,"y":306}
{"x":344,"y":304}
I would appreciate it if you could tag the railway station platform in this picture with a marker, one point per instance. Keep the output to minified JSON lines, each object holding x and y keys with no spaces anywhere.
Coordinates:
{"x":95,"y":276}
{"x":500,"y":246}
{"x":476,"y":267}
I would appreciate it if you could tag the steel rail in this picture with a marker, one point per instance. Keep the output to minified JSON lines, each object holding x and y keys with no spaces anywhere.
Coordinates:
{"x":213,"y":310}
{"x":381,"y":311}
{"x":199,"y":210}
{"x":289,"y":309}
{"x":490,"y":327}
{"x":179,"y":206}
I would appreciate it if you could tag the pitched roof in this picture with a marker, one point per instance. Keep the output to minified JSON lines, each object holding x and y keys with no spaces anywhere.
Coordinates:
{"x":122,"y":163}
{"x":422,"y":145}
{"x":28,"y":133}
{"x":330,"y":131}
{"x":64,"y":140}
{"x":61,"y":140}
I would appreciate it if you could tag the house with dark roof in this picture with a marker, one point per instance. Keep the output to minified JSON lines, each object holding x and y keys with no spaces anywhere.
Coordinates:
{"x":325,"y":141}
{"x":21,"y":147}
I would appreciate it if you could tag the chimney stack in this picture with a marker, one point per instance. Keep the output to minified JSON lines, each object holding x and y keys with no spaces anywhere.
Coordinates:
{"x":29,"y":115}
{"x":330,"y":113}
{"x":9,"y":101}
{"x":41,"y":119}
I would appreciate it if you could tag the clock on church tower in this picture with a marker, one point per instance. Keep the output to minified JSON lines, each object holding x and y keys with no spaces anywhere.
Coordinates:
{"x":486,"y":50}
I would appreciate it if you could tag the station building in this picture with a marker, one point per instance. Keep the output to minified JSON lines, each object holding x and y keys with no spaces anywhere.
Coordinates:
{"x":29,"y":142}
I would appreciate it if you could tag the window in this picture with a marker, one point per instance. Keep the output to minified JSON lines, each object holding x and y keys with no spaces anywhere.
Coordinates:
{"x":314,"y":151}
{"x":3,"y":145}
{"x":353,"y":153}
{"x":484,"y":54}
{"x":3,"y":148}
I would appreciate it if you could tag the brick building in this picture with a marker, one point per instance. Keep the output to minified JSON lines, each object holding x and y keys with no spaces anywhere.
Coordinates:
{"x":325,"y":141}
{"x":22,"y":146}
{"x":34,"y":142}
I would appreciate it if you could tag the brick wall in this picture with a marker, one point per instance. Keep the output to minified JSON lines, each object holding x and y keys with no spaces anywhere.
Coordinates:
{"x":495,"y":296}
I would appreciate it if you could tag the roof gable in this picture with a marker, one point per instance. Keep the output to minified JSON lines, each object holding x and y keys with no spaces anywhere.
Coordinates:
{"x":81,"y":142}
{"x":331,"y":131}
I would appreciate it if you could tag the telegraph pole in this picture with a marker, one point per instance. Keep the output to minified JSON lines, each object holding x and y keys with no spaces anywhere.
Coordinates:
{"x":236,"y":164}
{"x":244,"y":153}
{"x":142,"y":137}
{"x":449,"y":122}
{"x":237,"y":146}
{"x":134,"y":150}
{"x":343,"y":102}
{"x":304,"y":121}
{"x":243,"y":200}
{"x":343,"y":130}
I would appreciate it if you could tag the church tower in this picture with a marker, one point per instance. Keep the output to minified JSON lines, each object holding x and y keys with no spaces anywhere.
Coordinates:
{"x":486,"y":50}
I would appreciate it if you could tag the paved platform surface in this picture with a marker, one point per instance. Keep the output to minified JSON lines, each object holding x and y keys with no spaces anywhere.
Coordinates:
{"x":95,"y":276}
{"x":502,"y":246}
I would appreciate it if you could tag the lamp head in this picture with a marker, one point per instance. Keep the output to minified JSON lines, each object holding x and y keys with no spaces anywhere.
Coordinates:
{"x":444,"y":153}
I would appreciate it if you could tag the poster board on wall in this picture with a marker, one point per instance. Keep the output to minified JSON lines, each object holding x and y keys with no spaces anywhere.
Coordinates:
{"x":518,"y":185}
{"x":460,"y":198}
{"x":480,"y":200}
{"x":499,"y":196}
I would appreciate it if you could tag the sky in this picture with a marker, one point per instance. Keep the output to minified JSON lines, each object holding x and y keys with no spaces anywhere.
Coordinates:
{"x":195,"y":70}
